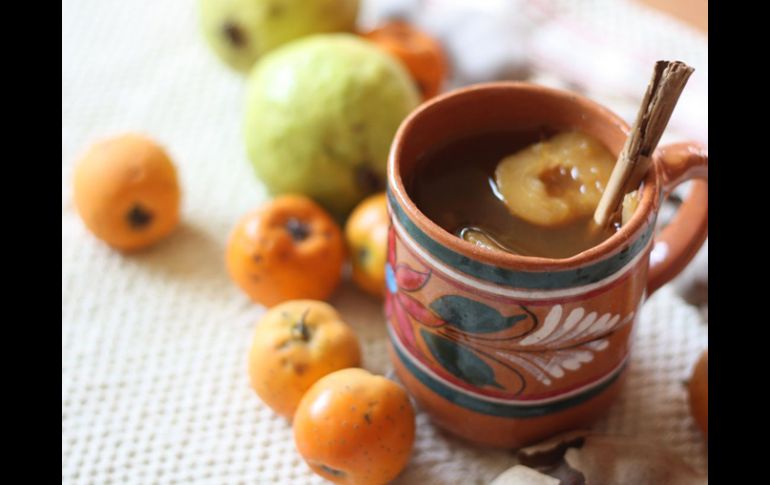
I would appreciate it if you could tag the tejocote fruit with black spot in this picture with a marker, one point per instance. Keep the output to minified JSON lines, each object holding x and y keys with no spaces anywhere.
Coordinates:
{"x":288,"y":248}
{"x":126,"y":191}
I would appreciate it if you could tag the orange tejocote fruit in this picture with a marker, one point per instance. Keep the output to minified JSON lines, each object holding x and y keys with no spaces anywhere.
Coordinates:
{"x":295,"y":344}
{"x":366,"y":232}
{"x":421,"y":54}
{"x":356,"y":428}
{"x":287,"y":249}
{"x":126,"y":191}
{"x":699,"y":393}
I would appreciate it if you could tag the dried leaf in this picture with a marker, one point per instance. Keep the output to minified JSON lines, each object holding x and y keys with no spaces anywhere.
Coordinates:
{"x":548,"y":452}
{"x":609,"y":459}
{"x":583,"y":457}
{"x":522,"y":475}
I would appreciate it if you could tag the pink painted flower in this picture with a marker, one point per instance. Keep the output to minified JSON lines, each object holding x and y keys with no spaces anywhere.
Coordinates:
{"x":400,"y":307}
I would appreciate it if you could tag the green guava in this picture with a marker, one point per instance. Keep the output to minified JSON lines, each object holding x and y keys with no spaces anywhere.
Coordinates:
{"x":241,"y":31}
{"x":320,"y":117}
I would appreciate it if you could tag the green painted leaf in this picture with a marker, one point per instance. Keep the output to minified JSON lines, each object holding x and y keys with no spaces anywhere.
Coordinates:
{"x":472,"y":316}
{"x":460,"y":361}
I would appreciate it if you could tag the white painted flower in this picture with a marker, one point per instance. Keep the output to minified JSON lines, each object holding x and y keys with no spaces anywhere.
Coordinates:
{"x":553,"y":334}
{"x":560,"y":341}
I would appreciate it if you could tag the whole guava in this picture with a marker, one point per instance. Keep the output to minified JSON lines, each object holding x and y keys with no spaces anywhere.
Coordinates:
{"x":240,"y":31}
{"x":320,"y":117}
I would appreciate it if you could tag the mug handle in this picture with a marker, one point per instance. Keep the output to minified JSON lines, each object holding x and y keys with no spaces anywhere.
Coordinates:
{"x":680,"y":241}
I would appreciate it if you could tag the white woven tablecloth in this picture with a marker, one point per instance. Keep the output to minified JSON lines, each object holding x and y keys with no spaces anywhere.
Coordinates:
{"x":154,"y":345}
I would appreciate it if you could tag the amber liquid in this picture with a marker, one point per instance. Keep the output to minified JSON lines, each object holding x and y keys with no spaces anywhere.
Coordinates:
{"x":454,"y":186}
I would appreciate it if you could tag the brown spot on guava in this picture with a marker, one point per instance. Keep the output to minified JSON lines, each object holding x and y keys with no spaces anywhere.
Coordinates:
{"x":368,"y":180}
{"x":421,"y":87}
{"x":275,"y":10}
{"x":234,"y":34}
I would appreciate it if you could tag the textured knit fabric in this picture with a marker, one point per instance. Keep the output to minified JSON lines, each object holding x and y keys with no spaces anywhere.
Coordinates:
{"x":154,"y":345}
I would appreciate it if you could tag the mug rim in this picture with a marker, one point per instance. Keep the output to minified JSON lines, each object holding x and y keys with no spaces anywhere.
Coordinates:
{"x":632,"y":230}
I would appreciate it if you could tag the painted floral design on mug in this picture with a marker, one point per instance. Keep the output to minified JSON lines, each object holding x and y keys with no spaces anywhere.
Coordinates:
{"x":493,"y":347}
{"x":400,"y":306}
{"x":505,"y":350}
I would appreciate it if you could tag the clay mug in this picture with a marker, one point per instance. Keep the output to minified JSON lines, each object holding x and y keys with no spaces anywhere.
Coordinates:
{"x":505,"y":350}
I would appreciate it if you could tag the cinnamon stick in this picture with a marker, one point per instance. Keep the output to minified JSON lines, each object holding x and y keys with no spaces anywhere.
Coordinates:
{"x":668,"y":81}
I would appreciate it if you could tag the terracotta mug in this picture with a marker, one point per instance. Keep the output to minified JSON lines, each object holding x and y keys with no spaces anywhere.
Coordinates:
{"x":505,"y":350}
